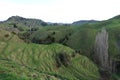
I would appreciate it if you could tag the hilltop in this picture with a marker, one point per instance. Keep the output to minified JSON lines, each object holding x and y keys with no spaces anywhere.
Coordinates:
{"x":25,"y":21}
{"x":81,"y":22}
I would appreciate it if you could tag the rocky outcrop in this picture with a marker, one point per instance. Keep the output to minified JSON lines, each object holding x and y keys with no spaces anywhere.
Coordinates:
{"x":101,"y":56}
{"x":101,"y":49}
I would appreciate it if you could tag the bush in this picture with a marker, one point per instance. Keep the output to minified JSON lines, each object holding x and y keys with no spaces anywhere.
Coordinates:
{"x":6,"y":35}
{"x":63,"y":59}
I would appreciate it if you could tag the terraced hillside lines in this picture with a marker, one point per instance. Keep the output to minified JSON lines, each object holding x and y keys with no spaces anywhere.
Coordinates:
{"x":85,"y":63}
{"x":76,"y":73}
{"x":22,"y":58}
{"x":34,"y":55}
{"x":38,"y":72}
{"x":22,"y":61}
{"x":81,"y":71}
{"x":27,"y":55}
{"x":40,"y":75}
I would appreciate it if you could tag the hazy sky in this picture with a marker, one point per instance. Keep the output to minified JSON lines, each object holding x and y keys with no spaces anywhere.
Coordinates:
{"x":60,"y":10}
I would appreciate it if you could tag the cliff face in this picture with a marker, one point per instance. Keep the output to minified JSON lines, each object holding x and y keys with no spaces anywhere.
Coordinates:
{"x":101,"y":49}
{"x":101,"y":53}
{"x":107,"y":64}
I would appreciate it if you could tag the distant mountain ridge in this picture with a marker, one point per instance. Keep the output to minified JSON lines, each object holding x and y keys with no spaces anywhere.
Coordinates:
{"x":19,"y":18}
{"x":38,"y":22}
{"x":81,"y":22}
{"x":25,"y":21}
{"x":28,"y":21}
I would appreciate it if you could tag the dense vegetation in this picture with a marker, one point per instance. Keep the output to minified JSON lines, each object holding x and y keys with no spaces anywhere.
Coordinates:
{"x":39,"y":38}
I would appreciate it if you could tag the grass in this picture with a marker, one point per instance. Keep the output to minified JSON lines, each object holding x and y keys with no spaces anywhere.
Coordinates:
{"x":22,"y":61}
{"x":78,"y":38}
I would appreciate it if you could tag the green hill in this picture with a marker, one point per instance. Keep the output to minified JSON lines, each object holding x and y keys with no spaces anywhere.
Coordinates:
{"x":25,"y":21}
{"x":22,"y":24}
{"x":9,"y":37}
{"x":82,"y":38}
{"x":22,"y":61}
{"x":78,"y":38}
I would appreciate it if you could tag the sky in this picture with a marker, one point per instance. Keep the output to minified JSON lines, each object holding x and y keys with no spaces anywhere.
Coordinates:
{"x":65,"y":11}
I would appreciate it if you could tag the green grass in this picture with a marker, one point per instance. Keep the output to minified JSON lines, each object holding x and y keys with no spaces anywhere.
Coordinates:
{"x":82,"y":37}
{"x":79,"y":38}
{"x":22,"y":61}
{"x":42,"y":59}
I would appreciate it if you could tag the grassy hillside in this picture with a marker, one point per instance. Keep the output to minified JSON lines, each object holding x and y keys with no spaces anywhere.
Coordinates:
{"x":17,"y":23}
{"x":9,"y":37}
{"x":21,"y":61}
{"x":80,"y":38}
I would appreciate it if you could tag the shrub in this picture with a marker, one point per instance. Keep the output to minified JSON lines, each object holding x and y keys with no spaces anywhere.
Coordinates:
{"x":53,"y":33}
{"x":63,"y":59}
{"x":6,"y":35}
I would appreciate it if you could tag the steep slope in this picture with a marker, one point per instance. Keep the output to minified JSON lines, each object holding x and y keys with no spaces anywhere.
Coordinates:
{"x":81,"y":38}
{"x":21,"y":61}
